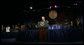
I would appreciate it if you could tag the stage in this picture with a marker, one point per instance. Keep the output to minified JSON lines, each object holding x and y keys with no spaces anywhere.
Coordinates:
{"x":70,"y":36}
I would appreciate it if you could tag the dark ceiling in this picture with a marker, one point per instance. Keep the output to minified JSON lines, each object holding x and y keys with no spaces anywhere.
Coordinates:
{"x":18,"y":11}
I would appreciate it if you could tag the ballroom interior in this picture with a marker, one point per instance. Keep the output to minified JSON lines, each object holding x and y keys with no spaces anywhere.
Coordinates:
{"x":43,"y":22}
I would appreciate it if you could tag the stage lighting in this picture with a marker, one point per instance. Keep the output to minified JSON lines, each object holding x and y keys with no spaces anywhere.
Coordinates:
{"x":56,"y":27}
{"x":30,"y":7}
{"x":50,"y":7}
{"x":56,"y":6}
{"x":49,"y":28}
{"x":52,"y":27}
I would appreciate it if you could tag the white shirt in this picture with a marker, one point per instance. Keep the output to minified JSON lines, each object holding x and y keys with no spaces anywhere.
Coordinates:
{"x":7,"y":29}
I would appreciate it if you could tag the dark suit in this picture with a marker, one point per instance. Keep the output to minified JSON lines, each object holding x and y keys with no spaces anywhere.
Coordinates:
{"x":44,"y":23}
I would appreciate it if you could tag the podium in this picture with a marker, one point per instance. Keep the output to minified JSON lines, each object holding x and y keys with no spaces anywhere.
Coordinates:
{"x":43,"y":34}
{"x":43,"y":26}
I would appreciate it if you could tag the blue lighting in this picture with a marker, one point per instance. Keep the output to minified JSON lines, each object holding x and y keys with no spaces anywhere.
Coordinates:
{"x":56,"y":27}
{"x":49,"y":28}
{"x":52,"y":27}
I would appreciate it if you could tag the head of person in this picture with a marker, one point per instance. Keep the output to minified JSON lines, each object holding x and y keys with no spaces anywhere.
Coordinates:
{"x":43,"y":18}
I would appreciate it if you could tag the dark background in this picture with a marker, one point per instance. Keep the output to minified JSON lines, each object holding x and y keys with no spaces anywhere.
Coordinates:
{"x":18,"y":11}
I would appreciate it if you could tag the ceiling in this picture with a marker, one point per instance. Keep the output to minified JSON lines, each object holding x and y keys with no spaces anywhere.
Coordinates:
{"x":18,"y":11}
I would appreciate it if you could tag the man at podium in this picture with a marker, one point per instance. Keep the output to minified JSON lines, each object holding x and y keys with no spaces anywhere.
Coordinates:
{"x":43,"y":25}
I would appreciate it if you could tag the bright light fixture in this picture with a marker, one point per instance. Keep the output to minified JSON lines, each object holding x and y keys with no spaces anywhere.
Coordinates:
{"x":30,"y":7}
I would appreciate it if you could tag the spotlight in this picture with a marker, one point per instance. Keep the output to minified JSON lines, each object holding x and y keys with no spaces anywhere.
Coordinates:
{"x":50,"y":7}
{"x":30,"y":7}
{"x":55,"y":6}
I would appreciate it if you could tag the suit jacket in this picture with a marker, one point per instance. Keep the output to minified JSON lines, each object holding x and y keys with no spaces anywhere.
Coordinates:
{"x":43,"y":24}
